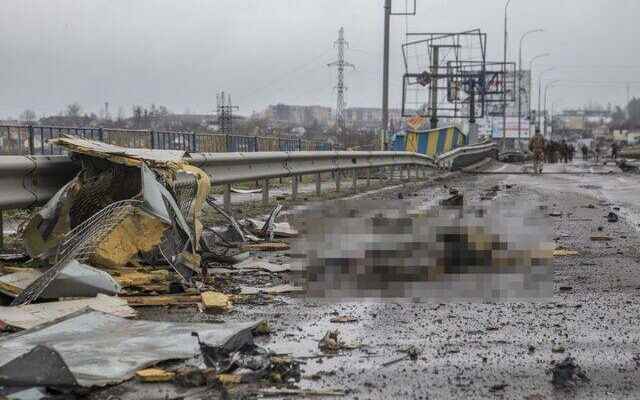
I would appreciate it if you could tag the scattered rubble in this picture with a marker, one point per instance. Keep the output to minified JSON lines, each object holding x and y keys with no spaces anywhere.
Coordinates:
{"x":216,"y":302}
{"x":564,"y":253}
{"x":600,"y":237}
{"x":457,"y":200}
{"x":567,"y":373}
{"x":341,"y":319}
{"x":331,"y":343}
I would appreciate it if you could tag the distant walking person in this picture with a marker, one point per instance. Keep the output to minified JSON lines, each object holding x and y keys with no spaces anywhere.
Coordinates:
{"x":536,"y":146}
{"x":585,"y":152}
{"x":564,"y":151}
{"x":614,"y":150}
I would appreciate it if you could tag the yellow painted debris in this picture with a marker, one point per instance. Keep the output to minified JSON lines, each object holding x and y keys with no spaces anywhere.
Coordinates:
{"x":154,"y":375}
{"x":216,"y":302}
{"x":229,"y":379}
{"x":139,"y":232}
{"x":168,"y":300}
{"x":274,"y":246}
{"x":564,"y":253}
{"x":263,"y":328}
{"x":139,"y":279}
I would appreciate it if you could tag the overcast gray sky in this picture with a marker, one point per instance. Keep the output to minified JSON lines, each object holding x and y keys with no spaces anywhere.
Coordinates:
{"x":180,"y":53}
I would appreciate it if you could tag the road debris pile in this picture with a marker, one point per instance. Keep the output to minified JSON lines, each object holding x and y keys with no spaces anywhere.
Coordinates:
{"x":127,"y":232}
{"x":126,"y":207}
{"x":89,"y":349}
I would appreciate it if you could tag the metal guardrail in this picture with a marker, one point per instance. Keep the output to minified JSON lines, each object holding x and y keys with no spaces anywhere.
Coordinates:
{"x":32,"y":180}
{"x":467,"y":155}
{"x":32,"y":140}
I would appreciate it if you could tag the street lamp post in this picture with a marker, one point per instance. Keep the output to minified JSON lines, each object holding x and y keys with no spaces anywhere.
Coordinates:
{"x":530,"y":82}
{"x":504,"y":70}
{"x":520,"y":81}
{"x":548,"y":86}
{"x":540,"y":95}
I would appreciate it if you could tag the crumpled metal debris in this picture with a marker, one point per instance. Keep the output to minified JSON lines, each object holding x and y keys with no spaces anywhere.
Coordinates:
{"x":91,"y":348}
{"x":125,"y":205}
{"x":76,"y":280}
{"x":250,"y":363}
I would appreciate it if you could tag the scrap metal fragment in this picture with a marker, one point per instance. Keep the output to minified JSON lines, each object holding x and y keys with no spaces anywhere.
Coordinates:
{"x":100,"y":349}
{"x":232,"y":221}
{"x":32,"y":315}
{"x":41,"y":366}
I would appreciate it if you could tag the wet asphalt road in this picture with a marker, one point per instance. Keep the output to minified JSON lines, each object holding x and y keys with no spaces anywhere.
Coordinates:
{"x":499,"y":350}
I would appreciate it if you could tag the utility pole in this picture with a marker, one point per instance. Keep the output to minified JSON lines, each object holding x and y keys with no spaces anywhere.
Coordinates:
{"x":225,"y":113}
{"x":434,"y":86}
{"x":504,"y":66}
{"x":385,"y":69}
{"x":385,"y":62}
{"x":341,"y":44}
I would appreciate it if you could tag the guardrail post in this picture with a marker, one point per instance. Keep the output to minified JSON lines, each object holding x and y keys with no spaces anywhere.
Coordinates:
{"x":255,"y":143}
{"x":226,"y":202}
{"x":152,"y":142}
{"x":265,"y":192}
{"x":299,"y":144}
{"x":100,"y":135}
{"x":30,"y":140}
{"x":318,"y":184}
{"x":194,"y":147}
{"x":294,"y":187}
{"x":368,"y":177}
{"x":355,"y":180}
{"x":1,"y":232}
{"x":338,"y":178}
{"x":227,"y":143}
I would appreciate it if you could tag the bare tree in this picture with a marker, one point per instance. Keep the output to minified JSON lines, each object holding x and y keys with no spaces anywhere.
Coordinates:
{"x":73,"y":110}
{"x":28,"y":116}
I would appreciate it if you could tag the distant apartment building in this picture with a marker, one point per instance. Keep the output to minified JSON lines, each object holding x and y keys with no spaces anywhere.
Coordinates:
{"x":298,"y":115}
{"x":369,"y":117}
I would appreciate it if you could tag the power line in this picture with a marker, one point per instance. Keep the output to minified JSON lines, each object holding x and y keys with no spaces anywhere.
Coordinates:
{"x":287,"y":75}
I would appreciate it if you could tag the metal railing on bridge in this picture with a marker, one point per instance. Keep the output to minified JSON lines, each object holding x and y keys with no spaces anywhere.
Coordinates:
{"x":32,"y":140}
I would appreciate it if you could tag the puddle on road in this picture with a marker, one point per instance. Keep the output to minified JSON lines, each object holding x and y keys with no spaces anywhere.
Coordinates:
{"x":415,"y":251}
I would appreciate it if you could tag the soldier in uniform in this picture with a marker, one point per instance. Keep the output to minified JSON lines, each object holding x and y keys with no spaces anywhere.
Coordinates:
{"x":536,"y":146}
{"x":564,"y":151}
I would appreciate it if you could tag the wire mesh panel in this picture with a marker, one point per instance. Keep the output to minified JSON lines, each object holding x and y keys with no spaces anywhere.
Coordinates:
{"x":79,"y":244}
{"x":211,"y":143}
{"x":165,"y":140}
{"x":242,"y":143}
{"x":14,"y":140}
{"x":140,"y":139}
{"x":268,"y":144}
{"x":289,"y":144}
